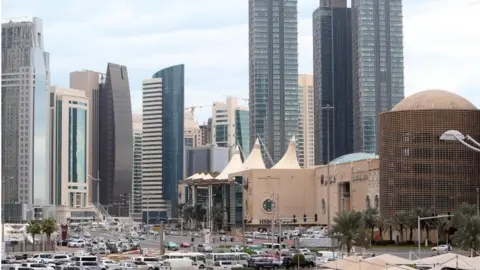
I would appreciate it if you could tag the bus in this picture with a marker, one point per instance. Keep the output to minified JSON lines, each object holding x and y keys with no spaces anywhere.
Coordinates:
{"x":197,"y":257}
{"x":236,"y":257}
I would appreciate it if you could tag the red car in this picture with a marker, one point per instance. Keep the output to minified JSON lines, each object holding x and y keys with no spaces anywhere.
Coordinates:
{"x":185,"y":245}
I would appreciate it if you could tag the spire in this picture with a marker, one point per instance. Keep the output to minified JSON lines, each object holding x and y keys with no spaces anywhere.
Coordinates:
{"x":255,"y":159}
{"x":233,"y":166}
{"x":289,"y":160}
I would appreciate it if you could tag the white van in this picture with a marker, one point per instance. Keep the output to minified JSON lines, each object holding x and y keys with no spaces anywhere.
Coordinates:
{"x":326,"y":256}
{"x":177,"y":264}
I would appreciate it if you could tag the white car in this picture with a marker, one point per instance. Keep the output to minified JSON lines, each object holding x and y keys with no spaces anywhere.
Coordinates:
{"x":36,"y":266}
{"x":79,"y":243}
{"x":41,"y":258}
{"x":236,"y":248}
{"x":442,"y":248}
{"x":249,"y":241}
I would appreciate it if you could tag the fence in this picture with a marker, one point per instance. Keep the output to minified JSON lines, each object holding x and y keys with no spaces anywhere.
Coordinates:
{"x":29,"y":247}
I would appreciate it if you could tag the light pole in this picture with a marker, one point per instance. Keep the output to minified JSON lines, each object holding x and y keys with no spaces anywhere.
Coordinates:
{"x":3,"y":217}
{"x":455,"y":135}
{"x":328,"y":108}
{"x":98,"y":187}
{"x":419,"y":232}
{"x":274,"y":204}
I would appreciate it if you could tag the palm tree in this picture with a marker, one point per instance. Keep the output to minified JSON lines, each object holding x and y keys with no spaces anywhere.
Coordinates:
{"x":370,"y":218}
{"x":467,"y":235}
{"x":349,"y":230}
{"x":217,"y":216}
{"x":199,"y":213}
{"x":400,"y":220}
{"x":34,"y":228}
{"x":49,"y":226}
{"x":381,"y":223}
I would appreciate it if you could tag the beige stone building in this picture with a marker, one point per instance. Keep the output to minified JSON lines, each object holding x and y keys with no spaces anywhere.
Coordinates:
{"x":306,"y":121}
{"x":192,"y":133}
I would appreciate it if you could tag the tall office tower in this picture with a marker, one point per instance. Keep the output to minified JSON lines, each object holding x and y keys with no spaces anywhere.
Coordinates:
{"x":206,"y":130}
{"x":332,"y":67}
{"x":68,"y":154}
{"x":242,"y":131}
{"x":224,"y":118}
{"x":136,"y":203}
{"x":116,"y":142}
{"x":378,"y":80}
{"x":192,"y":131}
{"x":90,"y":82}
{"x":273,"y":71}
{"x":306,"y":121}
{"x":25,"y":78}
{"x":173,"y":94}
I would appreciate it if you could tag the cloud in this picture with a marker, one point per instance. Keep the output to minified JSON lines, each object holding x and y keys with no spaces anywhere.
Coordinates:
{"x":211,"y":39}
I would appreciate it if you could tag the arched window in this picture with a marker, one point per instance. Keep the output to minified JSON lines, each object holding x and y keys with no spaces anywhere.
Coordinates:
{"x":322,"y":180}
{"x":324,"y":207}
{"x":377,"y":201}
{"x":368,"y":201}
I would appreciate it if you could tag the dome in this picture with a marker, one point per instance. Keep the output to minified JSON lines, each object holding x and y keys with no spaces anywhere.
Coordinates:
{"x":353,"y":157}
{"x":189,"y":120}
{"x":434,"y":100}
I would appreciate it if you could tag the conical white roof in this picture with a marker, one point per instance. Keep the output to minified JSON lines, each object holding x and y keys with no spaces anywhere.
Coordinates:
{"x":193,"y":176}
{"x":199,"y":176}
{"x":208,"y":177}
{"x":254,"y":160}
{"x":234,"y":165}
{"x":289,"y":160}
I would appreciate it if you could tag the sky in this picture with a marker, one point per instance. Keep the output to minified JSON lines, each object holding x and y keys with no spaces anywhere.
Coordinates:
{"x":441,"y":43}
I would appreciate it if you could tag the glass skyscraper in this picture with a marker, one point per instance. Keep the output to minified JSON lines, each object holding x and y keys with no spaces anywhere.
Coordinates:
{"x":242,"y":131}
{"x":116,"y":137}
{"x":25,"y":77}
{"x":173,"y":95}
{"x":378,"y":79}
{"x":332,"y":66}
{"x":273,"y":71}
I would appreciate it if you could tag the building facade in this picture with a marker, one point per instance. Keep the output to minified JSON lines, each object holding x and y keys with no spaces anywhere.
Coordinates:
{"x":90,"y":82}
{"x":418,"y":169}
{"x":332,"y":66}
{"x":306,"y":121}
{"x":116,"y":137}
{"x":378,"y":79}
{"x":136,"y":199}
{"x":273,"y":71}
{"x":242,"y":131}
{"x":68,"y":155}
{"x":192,"y":131}
{"x":25,"y":78}
{"x":173,"y":96}
{"x":206,"y":131}
{"x":206,"y":159}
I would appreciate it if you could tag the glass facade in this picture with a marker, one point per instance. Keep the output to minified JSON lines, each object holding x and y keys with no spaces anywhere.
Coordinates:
{"x":273,"y":61}
{"x":221,"y":134}
{"x":332,"y":41}
{"x":242,"y":131}
{"x":77,"y":145}
{"x":206,"y":159}
{"x":378,"y":79}
{"x":173,"y":87}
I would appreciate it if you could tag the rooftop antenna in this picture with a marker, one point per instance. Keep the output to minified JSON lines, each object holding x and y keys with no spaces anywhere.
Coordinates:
{"x":265,"y":149}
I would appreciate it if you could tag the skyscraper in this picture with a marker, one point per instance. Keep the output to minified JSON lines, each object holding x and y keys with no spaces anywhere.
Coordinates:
{"x":206,"y":131}
{"x":332,"y":66}
{"x":25,"y":77}
{"x":306,"y":123}
{"x":116,"y":142}
{"x":68,"y":154}
{"x":173,"y":95}
{"x":136,"y":206}
{"x":378,"y":80}
{"x":90,"y":82}
{"x":242,"y":133}
{"x":273,"y":71}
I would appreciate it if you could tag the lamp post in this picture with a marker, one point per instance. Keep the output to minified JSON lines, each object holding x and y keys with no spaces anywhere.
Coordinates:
{"x":3,"y":217}
{"x":455,"y":135}
{"x":328,"y":108}
{"x":274,"y":204}
{"x":98,"y":186}
{"x":419,"y":233}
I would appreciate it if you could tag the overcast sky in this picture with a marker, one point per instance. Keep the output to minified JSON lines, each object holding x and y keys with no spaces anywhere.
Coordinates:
{"x":442,"y":42}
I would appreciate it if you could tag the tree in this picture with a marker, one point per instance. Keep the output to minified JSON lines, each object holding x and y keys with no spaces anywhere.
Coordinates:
{"x":349,"y":229}
{"x":49,"y":226}
{"x":370,"y":218}
{"x":467,"y":235}
{"x":199,"y":212}
{"x":399,"y":221}
{"x":382,"y":225}
{"x":34,"y":227}
{"x":216,"y":215}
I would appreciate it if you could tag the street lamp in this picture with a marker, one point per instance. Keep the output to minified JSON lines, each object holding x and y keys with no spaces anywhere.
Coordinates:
{"x":98,"y":186}
{"x":274,"y":204}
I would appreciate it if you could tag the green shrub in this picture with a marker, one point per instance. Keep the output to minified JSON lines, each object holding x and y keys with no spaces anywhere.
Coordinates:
{"x":298,"y":259}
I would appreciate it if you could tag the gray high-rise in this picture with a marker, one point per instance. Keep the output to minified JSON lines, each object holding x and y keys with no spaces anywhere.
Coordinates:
{"x":273,"y":71}
{"x":25,"y":77}
{"x":116,"y":138}
{"x":378,"y":80}
{"x":332,"y":66}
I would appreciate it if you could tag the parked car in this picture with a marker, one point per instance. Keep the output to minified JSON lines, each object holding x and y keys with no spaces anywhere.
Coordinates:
{"x":184,"y":245}
{"x":171,"y":246}
{"x":204,"y":248}
{"x":442,"y":248}
{"x":78,"y":243}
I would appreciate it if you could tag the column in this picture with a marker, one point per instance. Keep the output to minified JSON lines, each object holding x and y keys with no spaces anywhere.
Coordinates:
{"x":209,"y":207}
{"x":224,"y":205}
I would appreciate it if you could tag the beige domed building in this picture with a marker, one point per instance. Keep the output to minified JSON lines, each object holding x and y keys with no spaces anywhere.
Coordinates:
{"x":417,"y":169}
{"x":192,"y":133}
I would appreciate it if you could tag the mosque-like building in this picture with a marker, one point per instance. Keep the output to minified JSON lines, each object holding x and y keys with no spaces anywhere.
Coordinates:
{"x":247,"y":192}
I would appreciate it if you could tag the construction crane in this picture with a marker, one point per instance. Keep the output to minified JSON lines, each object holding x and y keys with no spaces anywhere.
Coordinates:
{"x":192,"y":108}
{"x":244,"y":99}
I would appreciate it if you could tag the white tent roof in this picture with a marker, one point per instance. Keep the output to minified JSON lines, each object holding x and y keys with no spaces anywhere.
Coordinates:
{"x":193,"y":176}
{"x":199,"y":176}
{"x":440,"y":259}
{"x":390,"y":259}
{"x":234,"y":165}
{"x":208,"y":177}
{"x":289,"y":160}
{"x":255,"y":159}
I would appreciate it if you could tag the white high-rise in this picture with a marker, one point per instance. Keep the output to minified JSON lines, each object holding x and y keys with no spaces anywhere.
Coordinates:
{"x":136,"y":203}
{"x":306,"y":134}
{"x":152,"y":144}
{"x":25,"y":78}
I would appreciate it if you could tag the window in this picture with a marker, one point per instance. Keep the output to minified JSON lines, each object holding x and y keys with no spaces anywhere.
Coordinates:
{"x":368,"y":201}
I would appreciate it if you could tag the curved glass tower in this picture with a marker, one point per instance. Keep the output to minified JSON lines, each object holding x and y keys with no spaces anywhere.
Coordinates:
{"x":173,"y":94}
